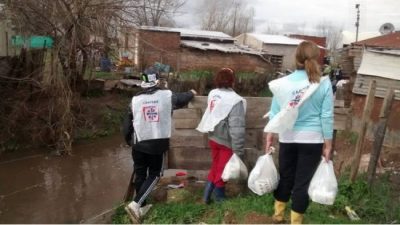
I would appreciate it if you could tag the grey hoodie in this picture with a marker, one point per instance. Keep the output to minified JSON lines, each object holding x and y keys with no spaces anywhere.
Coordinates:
{"x":230,"y":132}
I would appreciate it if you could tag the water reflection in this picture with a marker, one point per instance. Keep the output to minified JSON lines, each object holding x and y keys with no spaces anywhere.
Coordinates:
{"x":47,"y":189}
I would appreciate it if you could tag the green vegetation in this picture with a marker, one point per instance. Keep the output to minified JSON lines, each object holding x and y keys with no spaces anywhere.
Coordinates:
{"x":266,"y":92}
{"x":349,"y":136}
{"x":110,"y":122}
{"x":9,"y":145}
{"x":244,"y":75}
{"x":102,"y":75}
{"x":376,"y":205}
{"x":196,"y":74}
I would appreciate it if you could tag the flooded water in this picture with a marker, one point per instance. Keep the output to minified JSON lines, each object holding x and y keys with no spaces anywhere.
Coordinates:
{"x":39,"y":188}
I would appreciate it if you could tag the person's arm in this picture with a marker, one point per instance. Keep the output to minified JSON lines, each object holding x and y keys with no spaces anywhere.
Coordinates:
{"x":180,"y":100}
{"x":237,"y":128}
{"x":327,"y":121}
{"x":127,"y":127}
{"x":269,"y":138}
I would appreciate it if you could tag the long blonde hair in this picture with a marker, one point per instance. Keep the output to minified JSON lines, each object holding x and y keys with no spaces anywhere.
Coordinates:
{"x":307,"y":54}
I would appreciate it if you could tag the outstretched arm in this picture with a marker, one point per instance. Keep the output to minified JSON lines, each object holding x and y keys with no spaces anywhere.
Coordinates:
{"x":180,"y":100}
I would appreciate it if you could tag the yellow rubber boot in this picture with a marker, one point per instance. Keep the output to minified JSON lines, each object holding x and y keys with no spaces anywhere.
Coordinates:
{"x":296,"y":218}
{"x":279,"y":215}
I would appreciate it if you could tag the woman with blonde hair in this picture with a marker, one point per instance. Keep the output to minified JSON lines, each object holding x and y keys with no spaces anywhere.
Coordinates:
{"x":304,"y":135}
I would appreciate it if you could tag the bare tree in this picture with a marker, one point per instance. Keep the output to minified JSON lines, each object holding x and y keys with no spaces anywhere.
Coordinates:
{"x":332,"y":33}
{"x":229,"y":16}
{"x":155,"y":12}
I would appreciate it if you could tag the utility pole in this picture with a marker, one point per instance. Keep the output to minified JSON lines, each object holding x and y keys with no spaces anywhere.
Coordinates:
{"x":358,"y":20}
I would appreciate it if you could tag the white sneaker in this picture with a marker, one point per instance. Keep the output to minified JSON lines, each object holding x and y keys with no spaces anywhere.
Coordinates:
{"x":145,"y":209}
{"x":133,"y":210}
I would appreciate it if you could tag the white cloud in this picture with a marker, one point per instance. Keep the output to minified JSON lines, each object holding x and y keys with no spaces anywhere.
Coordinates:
{"x":284,"y":14}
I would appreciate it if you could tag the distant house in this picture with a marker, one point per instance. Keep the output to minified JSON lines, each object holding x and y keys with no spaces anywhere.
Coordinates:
{"x":383,"y":66}
{"x":187,"y":50}
{"x":274,"y":45}
{"x":351,"y":56}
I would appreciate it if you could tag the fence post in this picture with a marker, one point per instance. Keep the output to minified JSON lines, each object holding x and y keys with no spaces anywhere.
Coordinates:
{"x":369,"y":102}
{"x":380,"y":134}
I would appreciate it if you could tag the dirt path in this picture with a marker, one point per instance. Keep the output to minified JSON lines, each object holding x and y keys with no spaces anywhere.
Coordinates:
{"x":40,"y":188}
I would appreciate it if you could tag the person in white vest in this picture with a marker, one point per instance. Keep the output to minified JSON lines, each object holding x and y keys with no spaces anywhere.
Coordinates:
{"x":302,"y":115}
{"x":224,"y":121}
{"x":148,"y":130}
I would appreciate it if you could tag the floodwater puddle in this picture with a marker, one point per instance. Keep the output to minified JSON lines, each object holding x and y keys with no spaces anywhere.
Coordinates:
{"x":40,"y":188}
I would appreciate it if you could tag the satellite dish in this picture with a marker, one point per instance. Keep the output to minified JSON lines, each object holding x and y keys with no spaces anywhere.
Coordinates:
{"x":386,"y":28}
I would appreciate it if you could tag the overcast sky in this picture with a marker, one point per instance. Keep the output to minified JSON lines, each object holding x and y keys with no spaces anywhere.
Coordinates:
{"x":303,"y":15}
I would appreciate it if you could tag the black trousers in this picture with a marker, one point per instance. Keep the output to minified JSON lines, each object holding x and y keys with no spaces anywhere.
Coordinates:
{"x":148,"y":169}
{"x":297,"y":165}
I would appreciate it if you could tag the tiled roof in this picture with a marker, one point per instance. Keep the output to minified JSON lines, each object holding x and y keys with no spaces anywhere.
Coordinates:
{"x":391,"y":40}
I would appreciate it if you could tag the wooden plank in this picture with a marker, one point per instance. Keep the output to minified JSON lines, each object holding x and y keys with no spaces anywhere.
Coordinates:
{"x":198,"y":102}
{"x":188,"y":138}
{"x":339,"y":103}
{"x":186,"y":123}
{"x":344,"y":111}
{"x":380,"y":135}
{"x":364,"y":122}
{"x":189,"y":158}
{"x":187,"y":114}
{"x":253,"y":138}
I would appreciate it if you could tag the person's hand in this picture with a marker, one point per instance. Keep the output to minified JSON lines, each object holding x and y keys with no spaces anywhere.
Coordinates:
{"x":269,"y":139}
{"x":193,"y":91}
{"x":326,"y":153}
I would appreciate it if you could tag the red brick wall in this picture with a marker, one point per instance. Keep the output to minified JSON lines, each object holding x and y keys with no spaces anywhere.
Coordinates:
{"x":164,"y":47}
{"x":192,"y":59}
{"x":158,"y":46}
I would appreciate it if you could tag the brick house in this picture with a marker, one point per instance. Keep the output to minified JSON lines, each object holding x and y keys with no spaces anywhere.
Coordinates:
{"x":188,"y":50}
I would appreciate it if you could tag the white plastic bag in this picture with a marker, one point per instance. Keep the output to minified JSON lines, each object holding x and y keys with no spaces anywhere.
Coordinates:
{"x":323,"y":187}
{"x":264,"y":178}
{"x":234,"y":169}
{"x":283,"y":121}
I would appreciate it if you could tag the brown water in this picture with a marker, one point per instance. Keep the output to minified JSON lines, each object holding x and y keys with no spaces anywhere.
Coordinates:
{"x":39,"y":188}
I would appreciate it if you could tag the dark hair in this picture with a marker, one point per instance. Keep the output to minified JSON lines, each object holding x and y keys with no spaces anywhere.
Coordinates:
{"x":225,"y":78}
{"x":307,"y":54}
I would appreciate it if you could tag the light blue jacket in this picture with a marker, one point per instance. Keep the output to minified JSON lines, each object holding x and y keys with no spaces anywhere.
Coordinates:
{"x":316,"y":113}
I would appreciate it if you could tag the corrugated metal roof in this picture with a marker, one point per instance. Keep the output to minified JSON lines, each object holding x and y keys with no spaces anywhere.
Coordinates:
{"x":279,"y":39}
{"x":227,"y":48}
{"x":191,"y":33}
{"x":380,"y":65}
{"x":276,"y":39}
{"x":391,"y":40}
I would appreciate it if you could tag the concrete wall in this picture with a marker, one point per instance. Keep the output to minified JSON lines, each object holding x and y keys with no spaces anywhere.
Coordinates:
{"x":288,"y":52}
